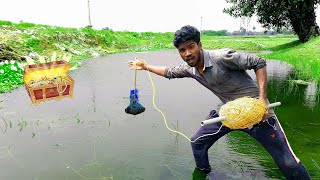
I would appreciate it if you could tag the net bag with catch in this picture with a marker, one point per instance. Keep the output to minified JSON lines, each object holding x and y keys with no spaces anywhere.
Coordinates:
{"x":134,"y":107}
{"x":241,"y":113}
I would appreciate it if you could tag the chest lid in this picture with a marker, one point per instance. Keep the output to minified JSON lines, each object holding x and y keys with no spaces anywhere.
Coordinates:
{"x":48,"y":70}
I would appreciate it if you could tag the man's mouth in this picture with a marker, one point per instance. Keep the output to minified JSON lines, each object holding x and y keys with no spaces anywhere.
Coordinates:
{"x":190,"y":60}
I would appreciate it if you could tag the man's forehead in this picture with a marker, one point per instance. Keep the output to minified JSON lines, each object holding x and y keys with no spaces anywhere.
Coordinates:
{"x":187,"y":43}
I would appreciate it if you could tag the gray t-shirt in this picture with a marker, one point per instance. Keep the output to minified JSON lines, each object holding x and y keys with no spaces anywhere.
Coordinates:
{"x":224,"y":73}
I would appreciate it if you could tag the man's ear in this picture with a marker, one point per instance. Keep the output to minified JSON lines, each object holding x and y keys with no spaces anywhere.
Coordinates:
{"x":200,"y":45}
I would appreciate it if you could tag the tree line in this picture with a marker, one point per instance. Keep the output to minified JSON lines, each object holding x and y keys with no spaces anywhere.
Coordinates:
{"x":244,"y":32}
{"x":299,"y":15}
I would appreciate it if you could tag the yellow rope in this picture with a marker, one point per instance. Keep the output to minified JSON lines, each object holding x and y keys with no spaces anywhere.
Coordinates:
{"x":135,"y":85}
{"x":242,"y":112}
{"x":155,"y":106}
{"x":164,"y":117}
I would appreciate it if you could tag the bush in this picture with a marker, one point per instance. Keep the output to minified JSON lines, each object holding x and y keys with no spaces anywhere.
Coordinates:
{"x":7,"y":23}
{"x":34,"y":43}
{"x":25,"y":25}
{"x":215,"y":33}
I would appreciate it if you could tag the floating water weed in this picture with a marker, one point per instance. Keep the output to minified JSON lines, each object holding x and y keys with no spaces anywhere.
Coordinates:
{"x":176,"y":173}
{"x":6,"y":125}
{"x":6,"y":152}
{"x":22,"y":124}
{"x":93,"y":162}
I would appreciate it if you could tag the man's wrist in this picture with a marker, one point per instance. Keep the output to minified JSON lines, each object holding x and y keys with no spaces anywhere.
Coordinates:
{"x":145,"y":67}
{"x":263,"y":97}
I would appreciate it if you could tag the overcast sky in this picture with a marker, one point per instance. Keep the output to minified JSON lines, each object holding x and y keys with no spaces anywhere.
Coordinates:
{"x":130,"y":15}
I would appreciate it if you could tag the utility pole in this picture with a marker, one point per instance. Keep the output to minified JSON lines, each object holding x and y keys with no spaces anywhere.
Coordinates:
{"x":90,"y":25}
{"x":201,"y":26}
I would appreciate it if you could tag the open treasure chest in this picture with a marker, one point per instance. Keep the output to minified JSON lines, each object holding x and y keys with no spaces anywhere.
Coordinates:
{"x":48,"y":81}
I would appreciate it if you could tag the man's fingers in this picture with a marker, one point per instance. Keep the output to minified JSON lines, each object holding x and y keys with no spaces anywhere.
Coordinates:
{"x":135,"y":64}
{"x":137,"y":68}
{"x":265,"y":116}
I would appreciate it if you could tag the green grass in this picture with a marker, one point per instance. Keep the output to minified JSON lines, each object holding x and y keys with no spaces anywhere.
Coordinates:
{"x":305,"y":57}
{"x":28,"y":37}
{"x":11,"y":73}
{"x":257,"y":43}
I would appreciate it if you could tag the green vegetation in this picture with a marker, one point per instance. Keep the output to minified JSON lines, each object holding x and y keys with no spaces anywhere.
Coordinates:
{"x":21,"y":41}
{"x":250,"y":43}
{"x":11,"y":74}
{"x":215,"y":33}
{"x":300,"y":16}
{"x":305,"y":57}
{"x":27,"y":37}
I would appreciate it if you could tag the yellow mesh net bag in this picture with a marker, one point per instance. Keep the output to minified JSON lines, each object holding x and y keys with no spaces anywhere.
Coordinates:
{"x":242,"y":112}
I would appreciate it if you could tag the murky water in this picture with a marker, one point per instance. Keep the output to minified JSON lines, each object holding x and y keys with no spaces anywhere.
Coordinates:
{"x":91,"y":137}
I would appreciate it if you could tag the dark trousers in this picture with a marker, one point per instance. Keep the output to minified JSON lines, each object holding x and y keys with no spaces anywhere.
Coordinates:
{"x":269,"y":133}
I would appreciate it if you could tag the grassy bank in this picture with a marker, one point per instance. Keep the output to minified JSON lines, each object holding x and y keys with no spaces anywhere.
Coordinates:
{"x":251,"y":43}
{"x":305,"y":57}
{"x":22,"y":41}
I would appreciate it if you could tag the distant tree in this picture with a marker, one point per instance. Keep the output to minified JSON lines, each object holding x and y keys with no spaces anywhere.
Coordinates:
{"x":235,"y":33}
{"x":89,"y":26}
{"x":215,"y":33}
{"x":297,"y":14}
{"x":243,"y":31}
{"x":285,"y":30}
{"x":107,"y":29}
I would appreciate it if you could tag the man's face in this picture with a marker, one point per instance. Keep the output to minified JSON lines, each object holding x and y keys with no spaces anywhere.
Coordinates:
{"x":190,"y":52}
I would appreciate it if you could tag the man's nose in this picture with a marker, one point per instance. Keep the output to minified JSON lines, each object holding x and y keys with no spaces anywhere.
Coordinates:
{"x":188,"y":52}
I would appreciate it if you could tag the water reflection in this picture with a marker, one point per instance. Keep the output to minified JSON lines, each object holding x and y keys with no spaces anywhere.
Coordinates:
{"x":312,"y":95}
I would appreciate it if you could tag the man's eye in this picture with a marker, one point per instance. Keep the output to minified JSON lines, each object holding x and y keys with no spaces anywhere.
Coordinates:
{"x":191,"y":46}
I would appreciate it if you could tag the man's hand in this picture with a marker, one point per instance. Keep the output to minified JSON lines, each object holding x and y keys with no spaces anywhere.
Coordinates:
{"x":140,"y":64}
{"x":266,"y":114}
{"x":137,"y":64}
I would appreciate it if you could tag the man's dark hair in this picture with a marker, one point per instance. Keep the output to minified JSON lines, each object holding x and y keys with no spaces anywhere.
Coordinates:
{"x":186,"y":33}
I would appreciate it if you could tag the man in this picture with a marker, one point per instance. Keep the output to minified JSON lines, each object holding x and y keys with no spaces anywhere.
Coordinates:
{"x":223,"y":72}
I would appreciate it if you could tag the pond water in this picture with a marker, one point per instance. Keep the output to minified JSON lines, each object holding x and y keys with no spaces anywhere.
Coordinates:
{"x":91,"y":137}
